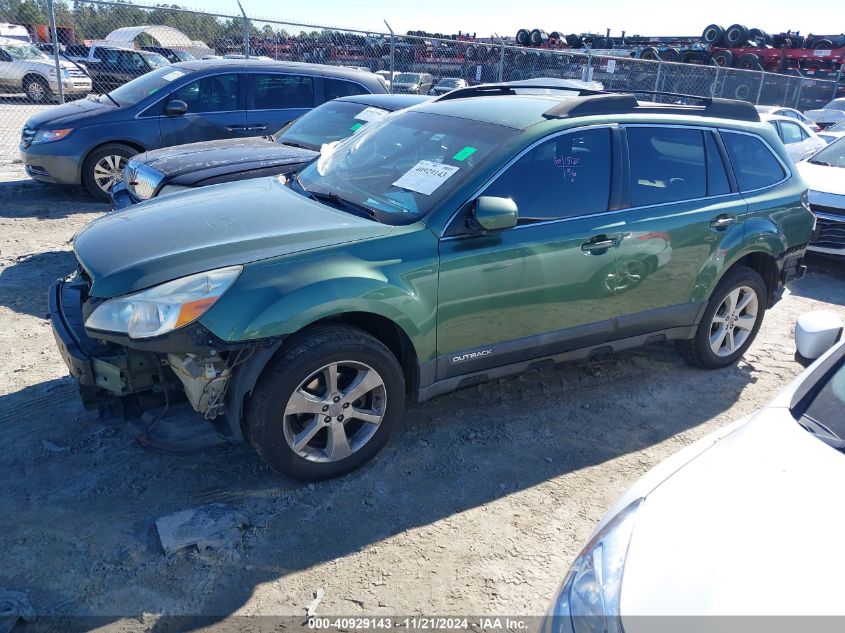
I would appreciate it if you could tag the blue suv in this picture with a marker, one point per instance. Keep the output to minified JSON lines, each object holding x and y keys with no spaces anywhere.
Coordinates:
{"x":88,"y":142}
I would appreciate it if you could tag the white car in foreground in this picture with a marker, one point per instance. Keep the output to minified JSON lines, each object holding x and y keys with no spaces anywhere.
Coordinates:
{"x":742,"y":523}
{"x":799,"y":139}
{"x":824,"y":173}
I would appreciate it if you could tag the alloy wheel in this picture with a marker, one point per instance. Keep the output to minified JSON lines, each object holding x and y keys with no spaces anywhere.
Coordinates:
{"x":35,"y":90}
{"x":734,"y":321}
{"x":335,"y":411}
{"x":109,"y":171}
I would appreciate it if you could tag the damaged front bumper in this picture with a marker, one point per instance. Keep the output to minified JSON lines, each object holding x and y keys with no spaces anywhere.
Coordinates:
{"x":184,"y":380}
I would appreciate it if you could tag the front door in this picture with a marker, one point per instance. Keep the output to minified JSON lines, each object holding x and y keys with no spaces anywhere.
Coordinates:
{"x":215,"y":111}
{"x":543,"y":286}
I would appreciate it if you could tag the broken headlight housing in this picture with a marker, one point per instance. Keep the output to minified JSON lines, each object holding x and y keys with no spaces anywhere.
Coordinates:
{"x":164,"y":308}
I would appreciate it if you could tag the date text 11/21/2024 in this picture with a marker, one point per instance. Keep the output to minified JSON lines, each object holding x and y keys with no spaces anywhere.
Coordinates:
{"x":418,"y":623}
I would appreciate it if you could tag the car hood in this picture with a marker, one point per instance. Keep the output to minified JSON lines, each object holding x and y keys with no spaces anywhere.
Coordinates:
{"x":212,"y":227}
{"x":737,"y":530}
{"x":68,"y":113}
{"x":822,"y":178}
{"x":825,"y":115}
{"x":218,"y":156}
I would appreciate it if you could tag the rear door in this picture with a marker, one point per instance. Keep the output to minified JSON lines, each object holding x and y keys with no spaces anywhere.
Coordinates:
{"x":681,"y":208}
{"x":215,"y":111}
{"x":276,"y":99}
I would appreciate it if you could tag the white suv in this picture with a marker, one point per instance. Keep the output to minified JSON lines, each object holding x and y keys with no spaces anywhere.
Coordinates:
{"x":24,"y":68}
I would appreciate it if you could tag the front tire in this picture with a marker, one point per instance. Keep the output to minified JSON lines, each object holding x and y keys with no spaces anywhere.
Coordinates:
{"x":37,"y":90}
{"x":103,"y":169}
{"x":327,"y":404}
{"x":730,"y":322}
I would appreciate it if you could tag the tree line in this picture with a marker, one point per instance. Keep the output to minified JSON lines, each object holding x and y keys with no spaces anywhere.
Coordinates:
{"x":96,"y":21}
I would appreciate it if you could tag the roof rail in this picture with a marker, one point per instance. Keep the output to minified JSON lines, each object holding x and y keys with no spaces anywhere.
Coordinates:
{"x":587,"y":102}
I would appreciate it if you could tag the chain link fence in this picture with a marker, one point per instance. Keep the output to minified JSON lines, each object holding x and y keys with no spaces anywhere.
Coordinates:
{"x":101,"y":44}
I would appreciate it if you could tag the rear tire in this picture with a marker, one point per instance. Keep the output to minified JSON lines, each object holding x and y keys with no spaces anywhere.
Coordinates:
{"x":103,"y":168}
{"x":730,"y":330}
{"x":736,"y":35}
{"x":307,"y":444}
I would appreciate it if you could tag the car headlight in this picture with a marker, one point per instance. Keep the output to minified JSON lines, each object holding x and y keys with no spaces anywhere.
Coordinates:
{"x":142,"y":180}
{"x":48,"y":136}
{"x":588,"y":599}
{"x":163,"y":308}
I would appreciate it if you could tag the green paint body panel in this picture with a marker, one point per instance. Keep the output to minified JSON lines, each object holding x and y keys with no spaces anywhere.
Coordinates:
{"x":465,"y":292}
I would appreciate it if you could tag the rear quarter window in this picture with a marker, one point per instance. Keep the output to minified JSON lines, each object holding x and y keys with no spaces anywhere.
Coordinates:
{"x":754,"y":164}
{"x":336,"y":88}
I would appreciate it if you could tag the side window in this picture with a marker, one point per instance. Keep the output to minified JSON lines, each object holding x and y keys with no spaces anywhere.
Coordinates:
{"x":789,"y":113}
{"x":792,"y":132}
{"x":753,"y":163}
{"x":667,"y":165}
{"x":273,"y":92}
{"x":566,"y":176}
{"x":215,"y":93}
{"x":336,"y":88}
{"x":110,"y":57}
{"x":717,"y":176}
{"x":129,"y":61}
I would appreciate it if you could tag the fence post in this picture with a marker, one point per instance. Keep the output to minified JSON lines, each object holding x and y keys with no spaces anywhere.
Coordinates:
{"x":502,"y":60}
{"x":836,"y":84}
{"x":798,"y":97}
{"x":246,"y":30}
{"x":392,"y":53}
{"x":657,"y":77}
{"x":715,"y":82}
{"x":56,"y":50}
{"x":760,"y":89}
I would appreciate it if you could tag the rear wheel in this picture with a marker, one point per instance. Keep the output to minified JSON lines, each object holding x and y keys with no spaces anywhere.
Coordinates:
{"x":730,"y":322}
{"x":327,"y":405}
{"x":103,"y":168}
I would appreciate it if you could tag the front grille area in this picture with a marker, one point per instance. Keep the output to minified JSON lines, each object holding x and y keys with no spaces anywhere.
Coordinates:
{"x":831,"y":233}
{"x":27,"y":134}
{"x":818,"y":208}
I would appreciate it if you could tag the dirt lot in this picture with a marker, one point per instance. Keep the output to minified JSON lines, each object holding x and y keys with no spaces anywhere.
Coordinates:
{"x":477,"y":507}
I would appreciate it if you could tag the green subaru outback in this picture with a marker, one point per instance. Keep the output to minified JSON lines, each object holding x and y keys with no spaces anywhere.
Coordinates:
{"x":492,"y":231}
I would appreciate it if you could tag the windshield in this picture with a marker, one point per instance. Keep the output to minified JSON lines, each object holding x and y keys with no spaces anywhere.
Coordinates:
{"x":24,"y":51}
{"x":839,"y":127}
{"x":405,"y":165}
{"x":155,"y":60}
{"x":827,"y":408}
{"x":839,"y":104}
{"x":144,"y":86}
{"x":330,"y":122}
{"x":185,"y":56}
{"x":833,"y":155}
{"x":407,"y":78}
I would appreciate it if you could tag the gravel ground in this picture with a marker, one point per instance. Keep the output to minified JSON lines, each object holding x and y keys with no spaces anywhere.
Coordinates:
{"x":477,"y":507}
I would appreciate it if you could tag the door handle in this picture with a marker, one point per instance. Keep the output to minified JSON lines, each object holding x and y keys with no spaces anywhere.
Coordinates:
{"x":722,"y":221}
{"x":600,"y":243}
{"x":238,"y":129}
{"x":257,"y":128}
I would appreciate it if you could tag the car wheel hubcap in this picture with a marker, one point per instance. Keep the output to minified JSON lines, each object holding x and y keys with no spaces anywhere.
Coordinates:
{"x":734,"y":321}
{"x":36,"y":91}
{"x":335,"y":411}
{"x":109,"y":171}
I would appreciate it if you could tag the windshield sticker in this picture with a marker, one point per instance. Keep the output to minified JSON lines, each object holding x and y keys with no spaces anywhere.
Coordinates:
{"x":172,"y":75}
{"x":438,"y":137}
{"x":370,"y":114}
{"x":356,"y":127}
{"x":464,"y":153}
{"x":425,"y":177}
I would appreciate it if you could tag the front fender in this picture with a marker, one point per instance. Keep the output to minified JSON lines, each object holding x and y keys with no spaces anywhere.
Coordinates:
{"x":394,"y":277}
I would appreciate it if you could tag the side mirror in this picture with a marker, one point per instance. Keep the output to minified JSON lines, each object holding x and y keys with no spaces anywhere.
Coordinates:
{"x":493,"y":214}
{"x":177,"y":107}
{"x":816,"y":332}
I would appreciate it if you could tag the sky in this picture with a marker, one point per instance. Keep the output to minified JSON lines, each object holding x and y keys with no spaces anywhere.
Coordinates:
{"x":504,"y":17}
